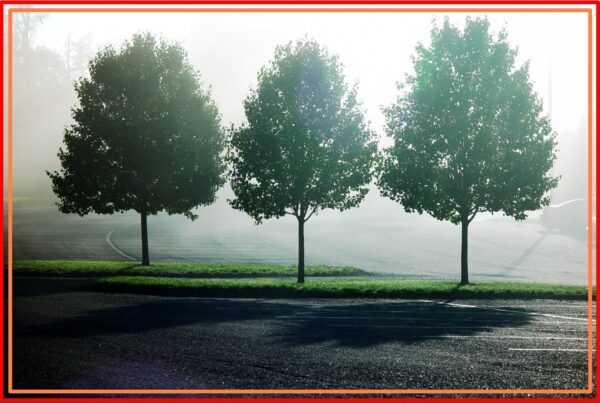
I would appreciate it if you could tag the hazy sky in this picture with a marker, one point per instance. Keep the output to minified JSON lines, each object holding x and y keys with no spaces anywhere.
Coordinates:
{"x":229,"y":48}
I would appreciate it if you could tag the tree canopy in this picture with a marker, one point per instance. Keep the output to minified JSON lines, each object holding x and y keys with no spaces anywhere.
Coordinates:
{"x":306,"y":146}
{"x":146,"y":136}
{"x":469,"y":132}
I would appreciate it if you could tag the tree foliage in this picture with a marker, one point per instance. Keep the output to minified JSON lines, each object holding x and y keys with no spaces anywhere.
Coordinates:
{"x":146,"y":136}
{"x":306,"y":146}
{"x":469,"y":131}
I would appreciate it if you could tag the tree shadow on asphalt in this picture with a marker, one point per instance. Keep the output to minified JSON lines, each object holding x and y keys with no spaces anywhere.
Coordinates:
{"x":357,"y":324}
{"x":155,"y":315}
{"x":407,"y":322}
{"x":37,"y":287}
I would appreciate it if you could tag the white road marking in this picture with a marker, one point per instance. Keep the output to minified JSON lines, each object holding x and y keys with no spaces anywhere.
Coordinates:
{"x":302,"y":316}
{"x":400,"y":318}
{"x":112,"y":245}
{"x":479,"y":336}
{"x":511,"y":337}
{"x":548,"y":315}
{"x":445,"y":313}
{"x":538,"y":306}
{"x":482,"y":328}
{"x":550,"y":349}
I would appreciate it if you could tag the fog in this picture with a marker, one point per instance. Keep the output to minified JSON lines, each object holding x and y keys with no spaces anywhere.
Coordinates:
{"x":228,"y":49}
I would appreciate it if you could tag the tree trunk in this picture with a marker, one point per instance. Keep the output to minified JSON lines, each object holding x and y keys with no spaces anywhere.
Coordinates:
{"x":145,"y":255}
{"x":464,"y":253}
{"x":300,"y":250}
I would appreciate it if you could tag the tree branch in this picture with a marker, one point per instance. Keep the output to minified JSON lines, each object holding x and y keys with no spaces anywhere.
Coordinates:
{"x":473,"y":216}
{"x":311,"y":213}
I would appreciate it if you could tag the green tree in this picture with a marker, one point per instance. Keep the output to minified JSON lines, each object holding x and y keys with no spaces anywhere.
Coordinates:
{"x":306,"y":146}
{"x":146,"y":136}
{"x":469,"y":132}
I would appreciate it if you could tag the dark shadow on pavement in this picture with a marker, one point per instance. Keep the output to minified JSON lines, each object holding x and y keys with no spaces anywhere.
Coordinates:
{"x":356,"y":324}
{"x":40,"y":286}
{"x":365,"y":325}
{"x":160,"y":314}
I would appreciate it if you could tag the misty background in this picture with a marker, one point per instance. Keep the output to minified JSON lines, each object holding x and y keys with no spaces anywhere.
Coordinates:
{"x":51,"y":51}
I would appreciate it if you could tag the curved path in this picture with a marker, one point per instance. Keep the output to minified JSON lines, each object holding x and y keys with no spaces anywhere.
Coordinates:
{"x":112,"y":245}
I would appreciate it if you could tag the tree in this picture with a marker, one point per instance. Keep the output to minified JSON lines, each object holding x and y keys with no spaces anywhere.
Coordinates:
{"x":469,"y":133}
{"x":306,"y":146}
{"x":146,"y":136}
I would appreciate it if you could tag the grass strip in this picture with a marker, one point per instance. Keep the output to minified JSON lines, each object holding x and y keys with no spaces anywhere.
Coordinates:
{"x":336,"y":288}
{"x":84,"y":268}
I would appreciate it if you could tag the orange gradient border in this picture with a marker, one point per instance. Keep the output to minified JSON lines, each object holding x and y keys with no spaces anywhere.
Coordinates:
{"x":294,"y":9}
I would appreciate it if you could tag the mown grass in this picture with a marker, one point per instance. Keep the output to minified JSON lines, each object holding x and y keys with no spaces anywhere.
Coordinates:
{"x":336,"y":288}
{"x":81,"y":268}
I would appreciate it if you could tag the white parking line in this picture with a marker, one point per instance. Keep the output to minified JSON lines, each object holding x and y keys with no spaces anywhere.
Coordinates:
{"x":537,"y":306}
{"x":548,"y":315}
{"x":480,"y":336}
{"x":551,"y":349}
{"x":112,"y":245}
{"x":511,"y":337}
{"x":445,"y":312}
{"x":482,"y":328}
{"x":421,"y":319}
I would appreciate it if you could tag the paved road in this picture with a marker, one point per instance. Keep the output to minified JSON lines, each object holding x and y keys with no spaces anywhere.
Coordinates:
{"x":68,"y":336}
{"x":377,"y":237}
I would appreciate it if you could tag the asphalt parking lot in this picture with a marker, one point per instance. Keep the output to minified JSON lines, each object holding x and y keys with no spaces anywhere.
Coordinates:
{"x":69,"y":336}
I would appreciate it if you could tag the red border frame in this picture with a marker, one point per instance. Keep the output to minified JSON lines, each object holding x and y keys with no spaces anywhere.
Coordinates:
{"x":3,"y":397}
{"x":305,"y":2}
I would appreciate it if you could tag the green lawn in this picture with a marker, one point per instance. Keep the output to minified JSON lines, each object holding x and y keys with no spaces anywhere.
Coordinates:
{"x":260,"y":280}
{"x":78,"y":268}
{"x":336,"y":288}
